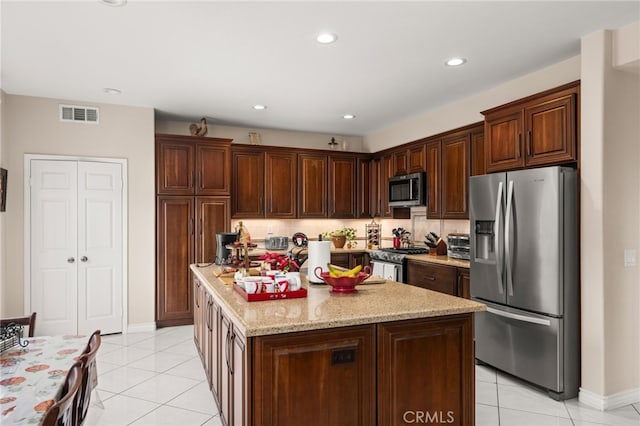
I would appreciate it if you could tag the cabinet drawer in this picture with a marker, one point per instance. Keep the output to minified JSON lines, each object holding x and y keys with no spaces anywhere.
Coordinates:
{"x":433,"y":277}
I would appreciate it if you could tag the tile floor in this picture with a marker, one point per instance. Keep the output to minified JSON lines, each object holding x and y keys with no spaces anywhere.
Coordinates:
{"x":157,"y":378}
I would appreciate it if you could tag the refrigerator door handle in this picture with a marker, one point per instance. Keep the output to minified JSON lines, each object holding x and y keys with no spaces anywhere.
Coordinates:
{"x":507,"y":237}
{"x":496,"y":239}
{"x":519,"y":317}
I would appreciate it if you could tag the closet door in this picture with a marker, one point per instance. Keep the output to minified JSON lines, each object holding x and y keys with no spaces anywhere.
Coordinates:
{"x":54,"y":239}
{"x":99,"y":247}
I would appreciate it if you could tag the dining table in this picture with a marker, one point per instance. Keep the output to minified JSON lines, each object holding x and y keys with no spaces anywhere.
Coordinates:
{"x":32,"y":377}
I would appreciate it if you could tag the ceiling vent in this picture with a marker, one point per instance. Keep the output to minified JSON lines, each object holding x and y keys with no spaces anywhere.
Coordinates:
{"x":79,"y":114}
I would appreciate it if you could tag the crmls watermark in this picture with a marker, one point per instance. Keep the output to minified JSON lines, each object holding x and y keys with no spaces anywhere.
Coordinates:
{"x":428,"y":417}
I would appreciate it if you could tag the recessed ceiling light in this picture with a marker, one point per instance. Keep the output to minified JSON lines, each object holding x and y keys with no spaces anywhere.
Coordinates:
{"x":454,"y":62}
{"x":115,"y":3}
{"x":111,"y":91}
{"x":326,"y":38}
{"x":260,"y":107}
{"x":348,"y":116}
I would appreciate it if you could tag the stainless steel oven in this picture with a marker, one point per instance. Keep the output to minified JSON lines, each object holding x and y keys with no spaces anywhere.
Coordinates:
{"x":390,"y":263}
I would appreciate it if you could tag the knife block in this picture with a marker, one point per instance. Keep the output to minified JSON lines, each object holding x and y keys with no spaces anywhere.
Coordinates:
{"x":440,"y":250}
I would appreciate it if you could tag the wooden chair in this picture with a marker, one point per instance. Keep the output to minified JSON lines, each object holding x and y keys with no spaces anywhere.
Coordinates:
{"x":90,"y":375}
{"x":64,"y":412}
{"x":28,"y":320}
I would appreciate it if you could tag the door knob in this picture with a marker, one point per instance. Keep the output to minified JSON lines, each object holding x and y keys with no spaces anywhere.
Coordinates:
{"x":71,"y":259}
{"x":84,"y":258}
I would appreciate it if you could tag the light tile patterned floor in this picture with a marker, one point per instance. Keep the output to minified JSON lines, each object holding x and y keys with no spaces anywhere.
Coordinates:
{"x":157,"y":378}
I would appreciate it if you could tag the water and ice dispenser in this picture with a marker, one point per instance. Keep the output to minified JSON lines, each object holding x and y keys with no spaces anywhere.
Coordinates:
{"x":484,"y":240}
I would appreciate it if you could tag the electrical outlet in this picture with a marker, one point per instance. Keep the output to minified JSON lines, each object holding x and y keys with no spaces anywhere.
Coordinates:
{"x":270,"y":228}
{"x":630,"y":257}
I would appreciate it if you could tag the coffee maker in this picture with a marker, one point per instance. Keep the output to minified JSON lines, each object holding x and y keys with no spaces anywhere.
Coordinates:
{"x":222,"y":240}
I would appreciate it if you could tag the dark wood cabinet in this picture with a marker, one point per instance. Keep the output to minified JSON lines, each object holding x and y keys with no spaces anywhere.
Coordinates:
{"x":281,"y":189}
{"x":478,"y":166}
{"x":386,"y":171}
{"x":359,"y":258}
{"x":340,"y":259}
{"x":434,"y":174}
{"x":212,"y":340}
{"x":175,"y":243}
{"x":338,"y":367}
{"x":199,"y":296}
{"x":187,"y":165}
{"x":342,"y":187}
{"x":400,"y":162}
{"x":312,"y":192}
{"x":234,"y":373}
{"x":226,"y":347}
{"x":443,"y":278}
{"x":455,"y":176}
{"x":192,"y":205}
{"x":417,"y":158}
{"x":247,"y":184}
{"x":365,"y":191}
{"x":536,"y":131}
{"x":426,"y":354}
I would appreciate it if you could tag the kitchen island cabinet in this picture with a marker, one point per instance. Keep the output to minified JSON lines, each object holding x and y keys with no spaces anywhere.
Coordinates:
{"x":444,"y":276}
{"x":366,"y":358}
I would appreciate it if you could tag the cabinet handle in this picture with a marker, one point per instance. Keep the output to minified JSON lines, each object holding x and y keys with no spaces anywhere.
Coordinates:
{"x":529,"y":143}
{"x":190,"y":226}
{"x":200,"y":180}
{"x":431,"y":278}
{"x":519,"y":144}
{"x":227,"y":356}
{"x":200,"y":226}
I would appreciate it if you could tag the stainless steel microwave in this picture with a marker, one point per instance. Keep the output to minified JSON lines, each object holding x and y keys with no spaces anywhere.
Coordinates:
{"x":407,"y":190}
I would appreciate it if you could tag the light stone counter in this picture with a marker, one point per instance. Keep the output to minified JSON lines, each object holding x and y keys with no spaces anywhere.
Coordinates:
{"x":373,"y":303}
{"x":443,"y":260}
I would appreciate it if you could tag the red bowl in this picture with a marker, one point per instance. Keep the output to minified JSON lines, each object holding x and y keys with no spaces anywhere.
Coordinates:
{"x":343,"y":285}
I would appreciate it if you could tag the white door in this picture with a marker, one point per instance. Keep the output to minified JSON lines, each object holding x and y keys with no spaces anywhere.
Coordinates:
{"x":76,"y":246}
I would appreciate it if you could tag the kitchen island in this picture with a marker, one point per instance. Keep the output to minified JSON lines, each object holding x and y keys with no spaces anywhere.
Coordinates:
{"x":389,"y":354}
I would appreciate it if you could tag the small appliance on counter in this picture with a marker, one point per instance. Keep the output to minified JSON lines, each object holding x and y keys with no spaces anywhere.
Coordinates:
{"x":276,"y":243}
{"x":458,"y":246}
{"x":222,"y":252}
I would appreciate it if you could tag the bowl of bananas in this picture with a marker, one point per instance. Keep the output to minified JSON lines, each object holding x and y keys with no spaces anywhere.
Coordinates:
{"x":341,"y":280}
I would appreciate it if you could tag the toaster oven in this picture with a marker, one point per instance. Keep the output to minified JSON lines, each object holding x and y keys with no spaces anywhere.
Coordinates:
{"x":458,"y":246}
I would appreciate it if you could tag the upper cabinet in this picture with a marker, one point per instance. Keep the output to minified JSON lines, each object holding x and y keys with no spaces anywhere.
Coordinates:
{"x":400,"y":162}
{"x":455,"y":175}
{"x":247,"y":200}
{"x":417,"y":158}
{"x":535,"y":131}
{"x":366,"y":189}
{"x":187,"y":165}
{"x":478,"y":166}
{"x":312,"y":195}
{"x":342,"y":187}
{"x":434,"y":177}
{"x":281,"y":189}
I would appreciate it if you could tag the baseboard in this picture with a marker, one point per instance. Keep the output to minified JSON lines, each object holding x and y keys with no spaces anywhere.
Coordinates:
{"x":609,"y":402}
{"x":144,"y":327}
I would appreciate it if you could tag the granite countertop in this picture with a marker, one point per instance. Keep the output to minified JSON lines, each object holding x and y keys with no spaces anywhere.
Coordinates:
{"x":443,"y":260}
{"x":373,"y":303}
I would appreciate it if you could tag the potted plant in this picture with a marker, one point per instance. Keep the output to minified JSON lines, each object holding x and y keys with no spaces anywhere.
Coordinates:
{"x":340,"y":236}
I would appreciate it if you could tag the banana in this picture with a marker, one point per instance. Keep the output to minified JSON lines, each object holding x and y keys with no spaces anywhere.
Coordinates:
{"x":337,"y":272}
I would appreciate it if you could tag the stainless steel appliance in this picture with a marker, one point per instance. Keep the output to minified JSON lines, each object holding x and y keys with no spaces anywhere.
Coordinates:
{"x":458,"y":246}
{"x":222,"y":252}
{"x":524,"y":267}
{"x":390,"y":263}
{"x":276,"y":243}
{"x":407,"y":190}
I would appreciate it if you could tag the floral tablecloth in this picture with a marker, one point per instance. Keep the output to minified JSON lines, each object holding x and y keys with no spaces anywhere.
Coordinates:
{"x":31,"y":378}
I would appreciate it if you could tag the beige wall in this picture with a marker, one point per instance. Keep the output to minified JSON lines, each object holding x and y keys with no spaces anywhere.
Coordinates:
{"x":32,"y":126}
{"x":610,"y":208}
{"x":467,"y":110}
{"x":267,"y":136}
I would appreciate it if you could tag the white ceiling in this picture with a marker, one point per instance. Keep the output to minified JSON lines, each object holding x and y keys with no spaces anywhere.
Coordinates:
{"x":217,"y":59}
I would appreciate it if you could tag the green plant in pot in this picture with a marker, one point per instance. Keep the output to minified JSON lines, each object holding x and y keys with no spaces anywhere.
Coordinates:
{"x":341,"y":236}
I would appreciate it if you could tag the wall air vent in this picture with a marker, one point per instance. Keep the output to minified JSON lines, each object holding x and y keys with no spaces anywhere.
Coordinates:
{"x":79,"y":114}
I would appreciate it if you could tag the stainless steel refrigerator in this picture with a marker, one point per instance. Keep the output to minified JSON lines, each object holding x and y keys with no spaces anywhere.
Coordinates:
{"x":524,"y":267}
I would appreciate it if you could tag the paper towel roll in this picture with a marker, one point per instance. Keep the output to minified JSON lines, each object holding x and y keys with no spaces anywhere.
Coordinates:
{"x":319,"y":255}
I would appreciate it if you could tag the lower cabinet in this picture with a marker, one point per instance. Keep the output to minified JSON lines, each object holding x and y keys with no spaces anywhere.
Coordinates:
{"x":351,"y":260}
{"x":234,"y":374}
{"x":443,"y":278}
{"x":319,"y":377}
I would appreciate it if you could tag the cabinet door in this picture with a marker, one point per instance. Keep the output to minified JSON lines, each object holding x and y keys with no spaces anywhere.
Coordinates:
{"x":340,"y":259}
{"x":376,"y":190}
{"x":426,"y":366}
{"x":175,"y":243}
{"x":342,"y":187}
{"x":239,"y":378}
{"x":364,"y":193}
{"x":433,"y":277}
{"x":320,"y":377}
{"x":281,"y":184}
{"x":477,"y":154}
{"x":175,"y":162}
{"x":551,"y":131}
{"x":198,"y":326}
{"x":247,"y":195}
{"x":361,"y":258}
{"x":503,"y":141}
{"x":464,"y":283}
{"x":214,"y":350}
{"x":312,"y":193}
{"x":433,"y":179}
{"x":455,"y":177}
{"x":207,"y":333}
{"x":225,"y":405}
{"x":213,"y":215}
{"x":417,"y":159}
{"x":213,"y":169}
{"x":386,"y":171}
{"x":400,"y":162}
